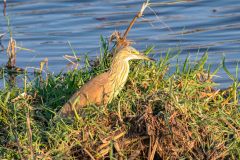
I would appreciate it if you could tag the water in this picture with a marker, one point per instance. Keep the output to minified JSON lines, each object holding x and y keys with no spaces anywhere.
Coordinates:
{"x":46,"y":26}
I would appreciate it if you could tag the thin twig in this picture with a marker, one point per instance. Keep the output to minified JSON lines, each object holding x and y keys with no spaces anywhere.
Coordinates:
{"x":4,"y":7}
{"x":168,"y":3}
{"x":122,"y":41}
{"x":89,"y":154}
{"x":150,"y":147}
{"x":28,"y":122}
{"x":2,"y":47}
{"x":154,"y":148}
{"x":139,"y":14}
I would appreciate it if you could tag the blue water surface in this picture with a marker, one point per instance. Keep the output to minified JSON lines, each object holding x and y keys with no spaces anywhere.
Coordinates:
{"x":46,"y":26}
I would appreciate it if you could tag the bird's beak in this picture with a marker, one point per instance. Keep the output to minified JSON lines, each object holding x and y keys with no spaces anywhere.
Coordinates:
{"x":141,"y":56}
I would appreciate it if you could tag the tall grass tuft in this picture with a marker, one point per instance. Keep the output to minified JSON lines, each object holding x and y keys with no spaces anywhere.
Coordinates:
{"x":181,"y":115}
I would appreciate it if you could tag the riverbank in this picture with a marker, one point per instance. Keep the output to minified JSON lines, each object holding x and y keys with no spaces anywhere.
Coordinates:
{"x":156,"y":115}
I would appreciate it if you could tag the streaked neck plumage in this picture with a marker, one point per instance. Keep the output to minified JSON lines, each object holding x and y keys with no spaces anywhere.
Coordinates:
{"x":118,"y":73}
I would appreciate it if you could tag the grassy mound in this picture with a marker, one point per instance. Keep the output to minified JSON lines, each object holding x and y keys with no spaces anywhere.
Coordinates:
{"x":156,"y":116}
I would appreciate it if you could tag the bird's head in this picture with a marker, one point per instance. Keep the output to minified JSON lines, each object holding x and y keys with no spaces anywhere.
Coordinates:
{"x":130,"y":53}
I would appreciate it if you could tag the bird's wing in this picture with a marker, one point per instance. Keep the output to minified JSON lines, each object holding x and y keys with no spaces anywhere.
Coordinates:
{"x":96,"y":89}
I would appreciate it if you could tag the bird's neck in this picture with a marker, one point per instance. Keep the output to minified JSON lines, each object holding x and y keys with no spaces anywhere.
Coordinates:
{"x":118,"y":74}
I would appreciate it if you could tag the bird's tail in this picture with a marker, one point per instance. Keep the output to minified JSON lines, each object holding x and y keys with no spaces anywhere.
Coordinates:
{"x":66,"y":110}
{"x":71,"y":107}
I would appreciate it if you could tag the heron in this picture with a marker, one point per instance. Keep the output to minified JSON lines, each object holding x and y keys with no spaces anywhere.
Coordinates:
{"x":101,"y":89}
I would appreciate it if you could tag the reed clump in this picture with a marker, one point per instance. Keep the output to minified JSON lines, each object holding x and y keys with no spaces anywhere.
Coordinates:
{"x":158,"y":115}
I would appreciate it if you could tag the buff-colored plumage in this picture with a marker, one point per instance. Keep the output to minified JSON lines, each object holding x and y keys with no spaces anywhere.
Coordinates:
{"x":101,"y":89}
